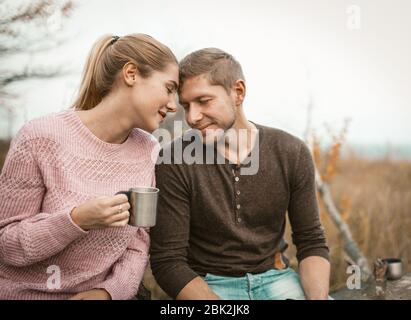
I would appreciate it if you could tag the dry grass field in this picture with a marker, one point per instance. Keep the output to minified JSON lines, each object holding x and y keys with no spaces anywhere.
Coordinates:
{"x":374,"y":199}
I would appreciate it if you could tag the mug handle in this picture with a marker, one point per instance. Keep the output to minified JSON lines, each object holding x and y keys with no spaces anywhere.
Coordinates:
{"x":127,"y":193}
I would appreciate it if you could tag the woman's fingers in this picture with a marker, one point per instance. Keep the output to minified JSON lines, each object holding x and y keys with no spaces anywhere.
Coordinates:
{"x":117,"y":209}
{"x":120,"y":223}
{"x":117,"y":200}
{"x":119,"y":217}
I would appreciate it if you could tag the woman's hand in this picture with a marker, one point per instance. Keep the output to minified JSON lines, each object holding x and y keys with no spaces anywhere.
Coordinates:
{"x":95,"y":294}
{"x":102,"y":212}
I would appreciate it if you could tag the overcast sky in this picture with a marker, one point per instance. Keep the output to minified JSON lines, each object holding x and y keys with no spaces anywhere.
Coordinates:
{"x":355,"y":64}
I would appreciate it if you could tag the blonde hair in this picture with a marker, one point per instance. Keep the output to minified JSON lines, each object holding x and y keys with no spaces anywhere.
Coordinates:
{"x":220,"y":67}
{"x":108,"y":56}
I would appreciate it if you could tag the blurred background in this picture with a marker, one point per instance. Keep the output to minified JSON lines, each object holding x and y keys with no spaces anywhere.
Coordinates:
{"x":335,"y":73}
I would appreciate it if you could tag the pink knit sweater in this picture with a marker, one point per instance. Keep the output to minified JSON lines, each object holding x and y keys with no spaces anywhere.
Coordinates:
{"x":54,"y":164}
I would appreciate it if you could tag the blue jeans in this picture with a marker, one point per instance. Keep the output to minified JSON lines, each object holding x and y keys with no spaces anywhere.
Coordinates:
{"x":270,"y":285}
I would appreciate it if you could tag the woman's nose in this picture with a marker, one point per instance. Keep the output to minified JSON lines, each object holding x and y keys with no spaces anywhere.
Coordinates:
{"x":172,"y":105}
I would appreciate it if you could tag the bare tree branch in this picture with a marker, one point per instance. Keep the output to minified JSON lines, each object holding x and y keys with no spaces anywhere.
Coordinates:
{"x":32,"y":11}
{"x":25,"y":30}
{"x":28,"y":75}
{"x":28,"y":46}
{"x":28,"y":25}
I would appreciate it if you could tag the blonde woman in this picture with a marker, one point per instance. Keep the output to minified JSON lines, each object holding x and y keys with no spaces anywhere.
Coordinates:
{"x":63,"y":231}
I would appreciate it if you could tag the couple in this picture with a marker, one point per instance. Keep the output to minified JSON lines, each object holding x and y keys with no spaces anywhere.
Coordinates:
{"x":219,"y":234}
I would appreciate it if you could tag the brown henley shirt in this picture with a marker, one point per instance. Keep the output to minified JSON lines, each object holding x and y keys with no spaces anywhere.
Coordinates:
{"x":212,"y":219}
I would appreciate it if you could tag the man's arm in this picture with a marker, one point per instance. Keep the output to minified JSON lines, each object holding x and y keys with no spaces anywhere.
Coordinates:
{"x":197,"y":289}
{"x":170,"y":237}
{"x":315,"y":277}
{"x":307,"y":232}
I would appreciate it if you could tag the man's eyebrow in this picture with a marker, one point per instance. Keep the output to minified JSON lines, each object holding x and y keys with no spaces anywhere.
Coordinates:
{"x":198,"y":98}
{"x":202,"y":97}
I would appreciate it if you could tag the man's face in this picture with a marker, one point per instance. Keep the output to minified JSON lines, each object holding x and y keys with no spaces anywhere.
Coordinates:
{"x":208,"y":108}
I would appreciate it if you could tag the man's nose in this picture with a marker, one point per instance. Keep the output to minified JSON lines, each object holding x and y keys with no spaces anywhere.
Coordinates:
{"x":193,"y":115}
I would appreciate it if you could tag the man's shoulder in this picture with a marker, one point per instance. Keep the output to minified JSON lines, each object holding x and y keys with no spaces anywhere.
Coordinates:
{"x":279,"y":145}
{"x":279,"y":138}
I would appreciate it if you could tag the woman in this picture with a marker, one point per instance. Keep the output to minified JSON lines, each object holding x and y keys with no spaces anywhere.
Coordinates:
{"x":63,"y":231}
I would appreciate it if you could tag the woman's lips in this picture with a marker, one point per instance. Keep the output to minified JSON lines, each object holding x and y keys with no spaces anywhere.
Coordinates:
{"x":162,"y":114}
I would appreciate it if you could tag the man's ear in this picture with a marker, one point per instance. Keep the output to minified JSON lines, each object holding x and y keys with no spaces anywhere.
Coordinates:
{"x":239,"y":91}
{"x":130,"y":73}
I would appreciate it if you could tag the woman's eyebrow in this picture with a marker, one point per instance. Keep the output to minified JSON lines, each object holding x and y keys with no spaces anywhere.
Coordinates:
{"x":175,"y":85}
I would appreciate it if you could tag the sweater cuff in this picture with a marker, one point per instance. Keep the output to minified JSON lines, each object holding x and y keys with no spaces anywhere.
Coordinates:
{"x":64,"y":229}
{"x":113,"y":291}
{"x":116,"y":291}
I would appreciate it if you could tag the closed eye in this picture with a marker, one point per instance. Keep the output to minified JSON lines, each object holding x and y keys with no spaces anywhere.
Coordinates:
{"x":203,"y":102}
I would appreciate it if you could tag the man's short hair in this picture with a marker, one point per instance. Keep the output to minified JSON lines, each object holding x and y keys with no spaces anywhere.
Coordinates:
{"x":218,"y":66}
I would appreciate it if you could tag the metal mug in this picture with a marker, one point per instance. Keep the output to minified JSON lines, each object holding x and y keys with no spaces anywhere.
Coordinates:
{"x":394,"y":268}
{"x":143,"y":202}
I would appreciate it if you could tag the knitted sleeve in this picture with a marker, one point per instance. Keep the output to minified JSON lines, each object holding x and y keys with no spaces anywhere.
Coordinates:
{"x":28,"y":235}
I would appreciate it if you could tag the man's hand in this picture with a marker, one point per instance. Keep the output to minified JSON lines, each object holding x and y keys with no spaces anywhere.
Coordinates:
{"x":197,"y":289}
{"x":95,"y":294}
{"x":315,"y":277}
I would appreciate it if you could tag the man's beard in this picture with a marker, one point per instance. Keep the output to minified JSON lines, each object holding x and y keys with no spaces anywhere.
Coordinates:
{"x":214,"y":136}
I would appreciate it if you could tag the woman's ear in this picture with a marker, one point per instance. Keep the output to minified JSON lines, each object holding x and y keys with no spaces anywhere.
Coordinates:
{"x":130,"y":73}
{"x":239,"y":91}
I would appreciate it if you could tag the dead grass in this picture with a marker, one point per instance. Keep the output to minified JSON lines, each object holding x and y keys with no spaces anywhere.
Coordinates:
{"x":374,"y":197}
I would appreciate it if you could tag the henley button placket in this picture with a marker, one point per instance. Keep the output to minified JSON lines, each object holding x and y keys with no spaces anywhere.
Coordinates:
{"x":237,"y":194}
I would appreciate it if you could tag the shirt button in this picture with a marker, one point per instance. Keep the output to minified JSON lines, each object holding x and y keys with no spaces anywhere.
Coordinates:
{"x":238,"y":206}
{"x":237,"y":179}
{"x":239,"y":220}
{"x":238,"y":192}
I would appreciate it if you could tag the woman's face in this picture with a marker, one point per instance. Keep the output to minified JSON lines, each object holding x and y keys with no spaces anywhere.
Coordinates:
{"x":152,"y":97}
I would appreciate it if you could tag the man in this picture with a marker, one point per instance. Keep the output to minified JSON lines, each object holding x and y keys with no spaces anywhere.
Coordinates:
{"x":219,"y":232}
